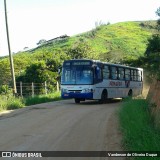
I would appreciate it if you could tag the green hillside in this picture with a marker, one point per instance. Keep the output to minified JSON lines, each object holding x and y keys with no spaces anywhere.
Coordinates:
{"x":115,"y":43}
{"x":126,"y":39}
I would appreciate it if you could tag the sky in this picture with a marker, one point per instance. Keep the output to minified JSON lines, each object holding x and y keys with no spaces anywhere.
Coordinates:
{"x":32,"y":20}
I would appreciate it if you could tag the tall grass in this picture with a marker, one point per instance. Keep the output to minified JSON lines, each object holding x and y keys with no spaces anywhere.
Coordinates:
{"x":139,"y":133}
{"x":42,"y":98}
{"x":10,"y":102}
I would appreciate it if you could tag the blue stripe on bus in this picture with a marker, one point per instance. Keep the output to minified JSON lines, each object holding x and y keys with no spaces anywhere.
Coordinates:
{"x":77,"y":95}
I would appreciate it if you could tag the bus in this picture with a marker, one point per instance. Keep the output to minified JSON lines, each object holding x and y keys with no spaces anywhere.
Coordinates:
{"x":84,"y":79}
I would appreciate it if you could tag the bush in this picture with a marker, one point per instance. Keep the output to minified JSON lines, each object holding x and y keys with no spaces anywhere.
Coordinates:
{"x":10,"y":102}
{"x":4,"y":89}
{"x":14,"y":103}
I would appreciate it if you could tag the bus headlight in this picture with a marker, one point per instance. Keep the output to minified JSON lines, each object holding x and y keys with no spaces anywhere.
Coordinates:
{"x":64,"y":90}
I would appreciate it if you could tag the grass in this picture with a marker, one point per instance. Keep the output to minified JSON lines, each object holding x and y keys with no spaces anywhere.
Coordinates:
{"x":42,"y":99}
{"x":139,"y":133}
{"x":10,"y":102}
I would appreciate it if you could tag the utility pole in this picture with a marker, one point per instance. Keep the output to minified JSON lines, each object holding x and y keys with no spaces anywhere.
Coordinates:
{"x":10,"y":55}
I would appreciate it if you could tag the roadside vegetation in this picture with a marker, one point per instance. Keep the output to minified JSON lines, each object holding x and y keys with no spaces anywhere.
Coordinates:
{"x":138,"y":126}
{"x":9,"y":102}
{"x":42,"y":99}
{"x":139,"y":118}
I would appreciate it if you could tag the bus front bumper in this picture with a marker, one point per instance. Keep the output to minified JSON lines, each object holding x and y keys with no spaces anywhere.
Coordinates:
{"x":77,"y":95}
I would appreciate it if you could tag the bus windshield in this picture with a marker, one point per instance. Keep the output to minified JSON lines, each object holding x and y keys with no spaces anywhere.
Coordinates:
{"x":77,"y":75}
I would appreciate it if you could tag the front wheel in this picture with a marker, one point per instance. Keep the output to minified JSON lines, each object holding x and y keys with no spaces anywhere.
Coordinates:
{"x":77,"y":100}
{"x":104,"y":97}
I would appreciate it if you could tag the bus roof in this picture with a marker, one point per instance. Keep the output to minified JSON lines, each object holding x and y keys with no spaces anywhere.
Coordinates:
{"x":120,"y":65}
{"x":107,"y":63}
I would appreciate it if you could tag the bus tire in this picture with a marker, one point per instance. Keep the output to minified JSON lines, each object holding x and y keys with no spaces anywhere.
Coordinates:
{"x":130,"y":94}
{"x":104,"y":97}
{"x":77,"y":100}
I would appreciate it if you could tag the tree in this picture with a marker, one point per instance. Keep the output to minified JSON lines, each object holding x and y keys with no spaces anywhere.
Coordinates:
{"x":38,"y":73}
{"x":153,"y":45}
{"x":154,"y":41}
{"x":5,"y":77}
{"x":158,"y":14}
{"x":41,"y":42}
{"x":34,"y":73}
{"x":25,"y":48}
{"x":153,"y":51}
{"x":79,"y":50}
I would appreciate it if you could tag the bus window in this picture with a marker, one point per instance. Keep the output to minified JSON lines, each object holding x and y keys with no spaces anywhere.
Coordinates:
{"x":132,"y":75}
{"x":121,"y":73}
{"x":135,"y":75}
{"x":139,"y":76}
{"x":113,"y":72}
{"x":127,"y":74}
{"x":106,"y":73}
{"x":98,"y":74}
{"x":67,"y":75}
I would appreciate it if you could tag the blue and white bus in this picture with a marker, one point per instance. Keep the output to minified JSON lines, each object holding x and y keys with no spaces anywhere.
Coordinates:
{"x":91,"y":79}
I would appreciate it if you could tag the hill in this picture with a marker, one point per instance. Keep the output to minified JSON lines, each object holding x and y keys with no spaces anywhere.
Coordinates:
{"x":117,"y":43}
{"x":128,"y":39}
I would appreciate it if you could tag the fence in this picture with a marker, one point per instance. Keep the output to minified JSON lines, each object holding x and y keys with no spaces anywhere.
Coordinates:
{"x":31,"y":89}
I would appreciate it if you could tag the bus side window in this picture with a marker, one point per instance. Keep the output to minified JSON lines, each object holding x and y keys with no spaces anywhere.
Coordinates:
{"x":135,"y":75}
{"x":121,"y":73}
{"x":127,"y":74}
{"x":98,"y":73}
{"x":132,"y":75}
{"x":113,"y":72}
{"x":106,"y":73}
{"x":139,"y":76}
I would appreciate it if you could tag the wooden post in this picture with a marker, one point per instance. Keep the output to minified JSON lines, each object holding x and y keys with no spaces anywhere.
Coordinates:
{"x":21,"y":92}
{"x":32,"y":89}
{"x":57,"y":86}
{"x":45,"y":87}
{"x":10,"y":54}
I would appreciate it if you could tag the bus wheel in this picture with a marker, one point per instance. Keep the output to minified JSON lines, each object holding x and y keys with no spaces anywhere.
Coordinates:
{"x":77,"y":100}
{"x":104,"y":97}
{"x":130,"y":94}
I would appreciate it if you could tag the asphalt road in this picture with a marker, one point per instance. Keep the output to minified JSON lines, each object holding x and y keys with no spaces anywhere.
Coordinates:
{"x":62,"y":126}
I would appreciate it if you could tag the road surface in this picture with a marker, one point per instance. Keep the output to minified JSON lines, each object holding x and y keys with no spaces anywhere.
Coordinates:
{"x":62,"y":126}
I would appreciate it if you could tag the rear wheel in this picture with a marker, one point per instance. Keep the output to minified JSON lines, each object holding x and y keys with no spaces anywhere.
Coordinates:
{"x":130,"y":94}
{"x":77,"y":100}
